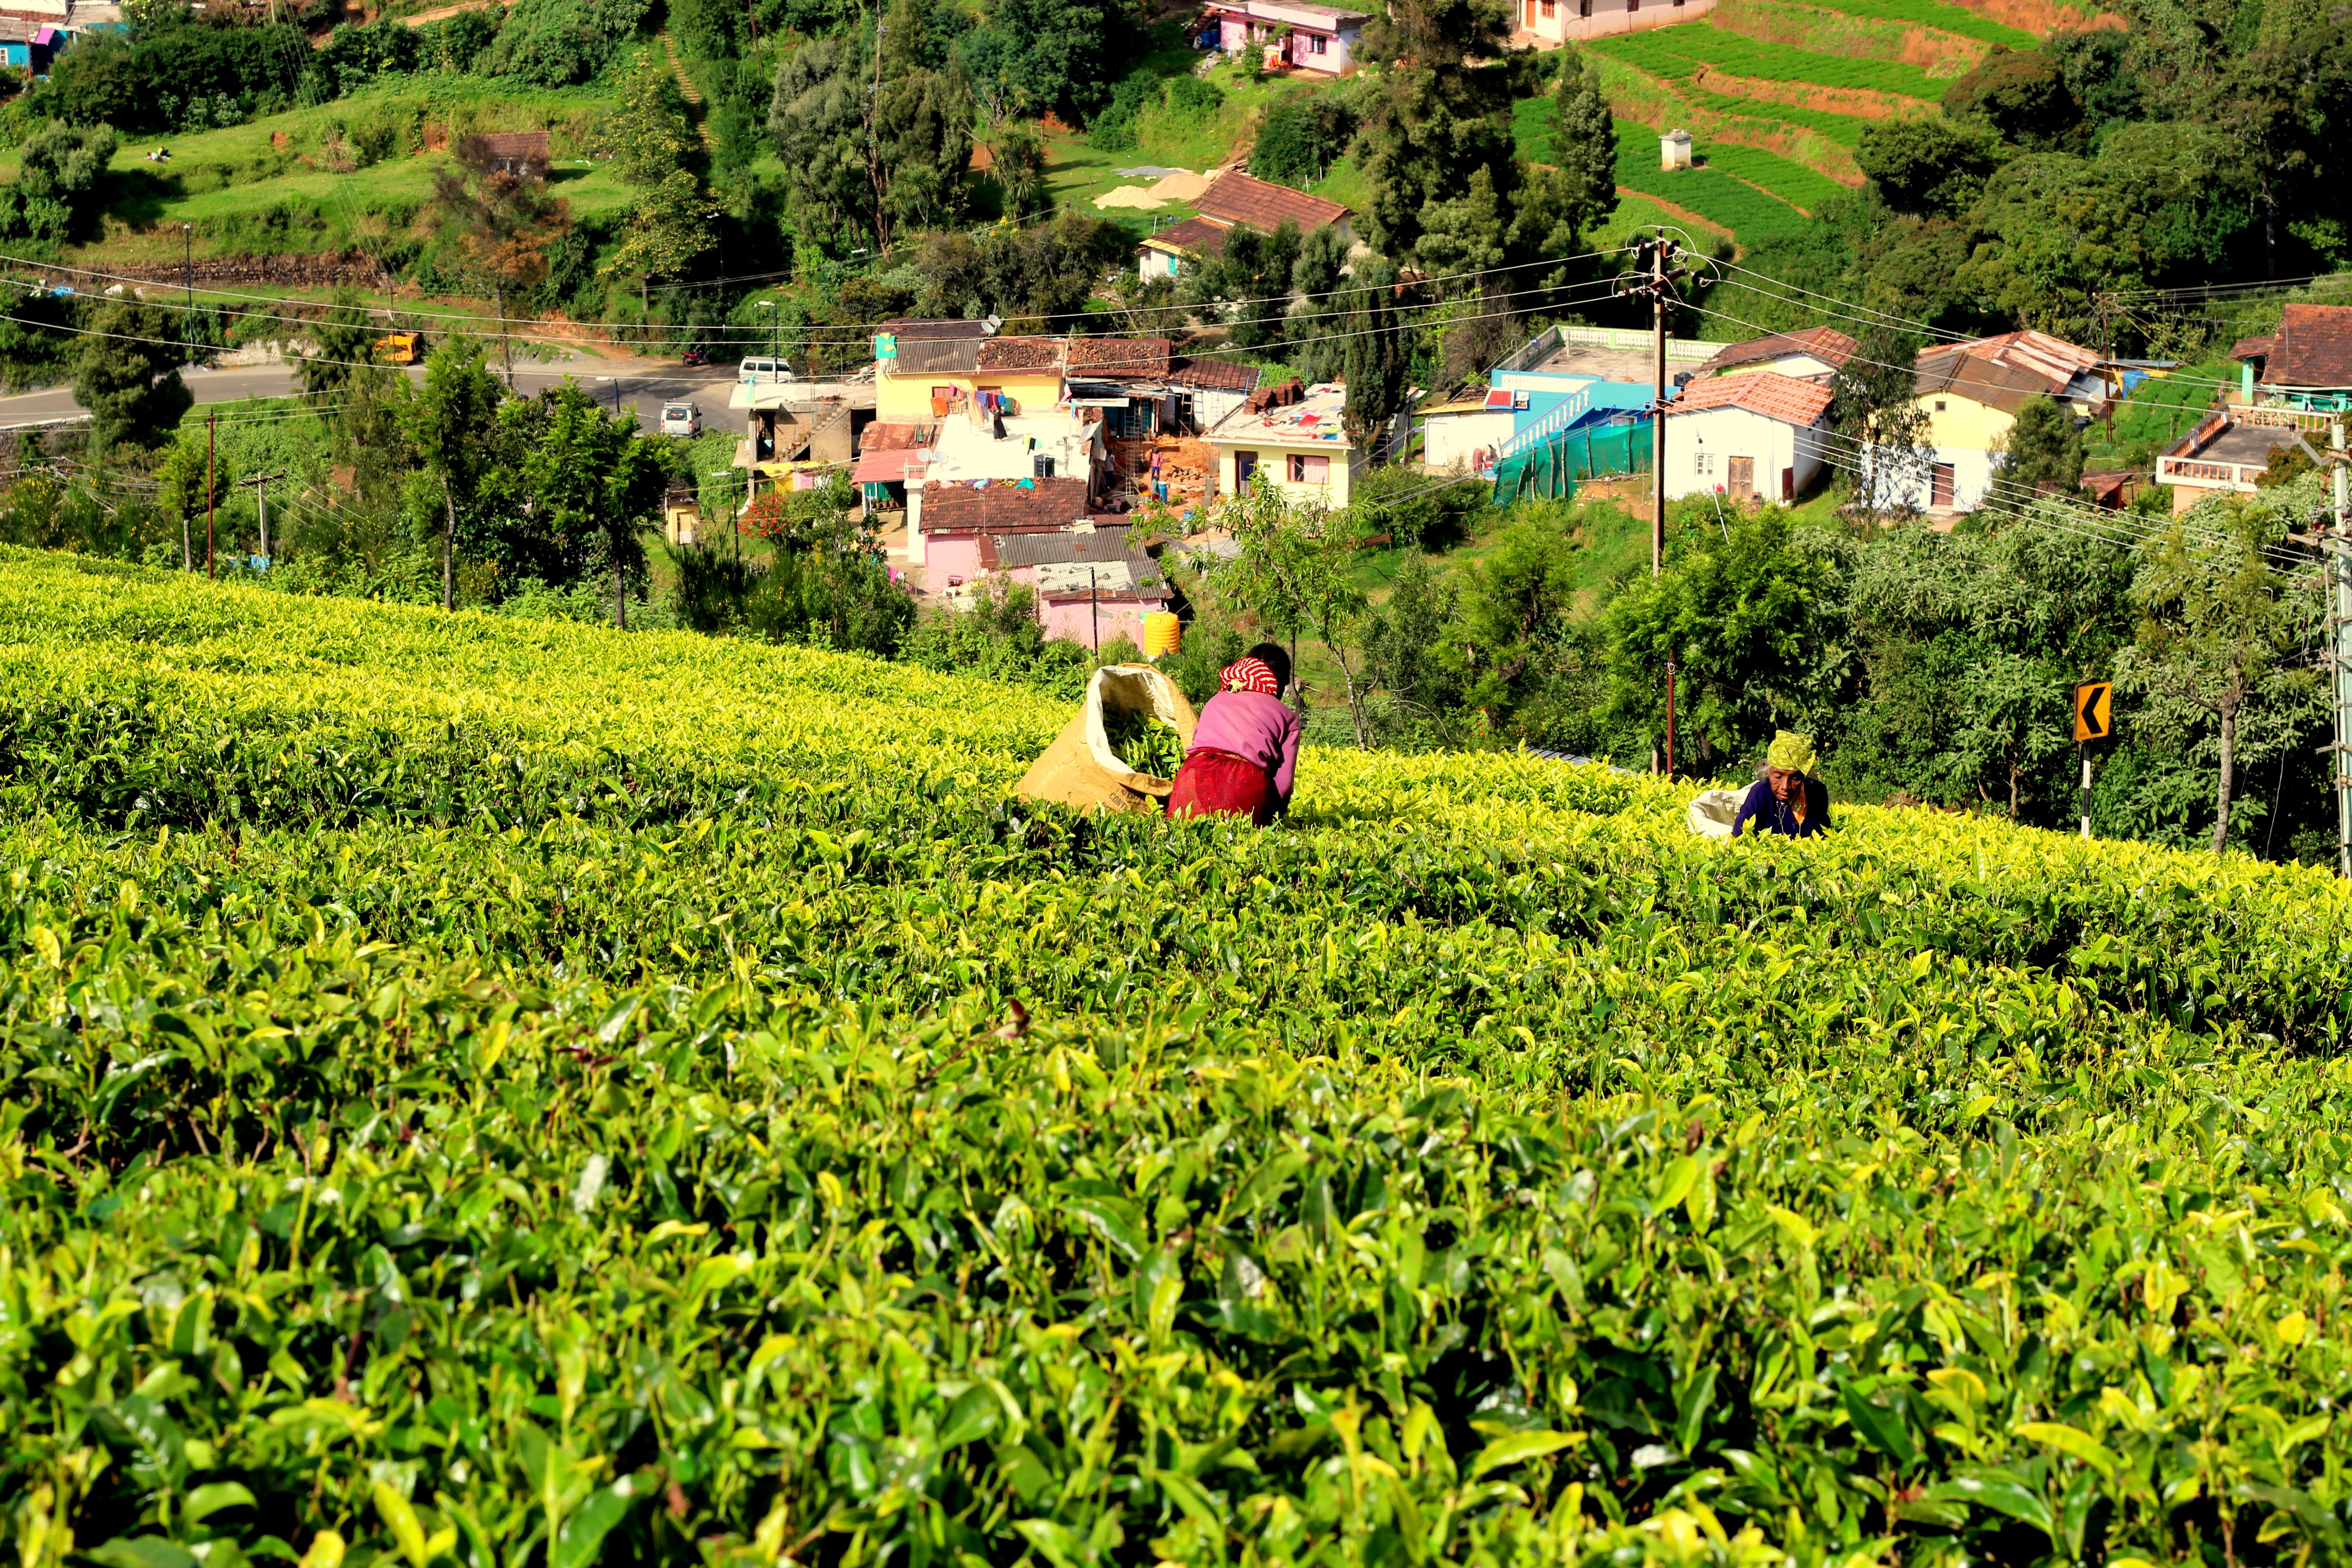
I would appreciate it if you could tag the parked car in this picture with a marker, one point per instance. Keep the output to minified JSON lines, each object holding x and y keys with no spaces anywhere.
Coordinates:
{"x":763,"y":371}
{"x":681,"y":419}
{"x":401,"y":348}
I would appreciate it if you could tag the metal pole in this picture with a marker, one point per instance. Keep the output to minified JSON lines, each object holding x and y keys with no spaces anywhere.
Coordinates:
{"x":209,"y":419}
{"x":1094,"y":609}
{"x":1658,"y":419}
{"x":2084,"y":748}
{"x":1670,"y":718}
{"x":261,"y":498}
{"x":2340,"y":766}
{"x":188,"y":263}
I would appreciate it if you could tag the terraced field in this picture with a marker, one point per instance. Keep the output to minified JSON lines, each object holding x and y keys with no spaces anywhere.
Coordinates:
{"x":1776,"y":94}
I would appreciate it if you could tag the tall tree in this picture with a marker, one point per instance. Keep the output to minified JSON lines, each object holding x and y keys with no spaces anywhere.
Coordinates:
{"x":195,"y":477}
{"x":1297,"y":572}
{"x":452,"y":420}
{"x":504,"y":220}
{"x":2217,"y":619}
{"x":597,"y":475}
{"x":1375,"y":358}
{"x":127,"y":376}
{"x":1875,"y":407}
{"x":657,"y":151}
{"x":1436,"y":114}
{"x":2041,"y":447}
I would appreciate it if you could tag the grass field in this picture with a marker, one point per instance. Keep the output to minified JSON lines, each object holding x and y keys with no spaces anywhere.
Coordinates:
{"x":1680,"y":52}
{"x":1713,"y":193}
{"x":488,"y":1092}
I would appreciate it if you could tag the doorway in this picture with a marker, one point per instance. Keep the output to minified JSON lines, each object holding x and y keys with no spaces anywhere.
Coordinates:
{"x":1743,"y":478}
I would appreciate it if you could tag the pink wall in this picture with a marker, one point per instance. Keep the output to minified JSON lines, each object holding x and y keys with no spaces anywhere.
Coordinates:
{"x":1075,"y":618}
{"x":946,"y":555}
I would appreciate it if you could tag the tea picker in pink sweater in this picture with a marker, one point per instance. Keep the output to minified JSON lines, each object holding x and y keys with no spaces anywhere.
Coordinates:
{"x":1244,"y":753}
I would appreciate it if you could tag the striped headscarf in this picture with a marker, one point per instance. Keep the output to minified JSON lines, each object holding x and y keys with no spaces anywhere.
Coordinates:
{"x":1249,"y":675}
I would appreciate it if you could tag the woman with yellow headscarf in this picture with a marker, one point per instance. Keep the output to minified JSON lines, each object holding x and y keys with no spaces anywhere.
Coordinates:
{"x":1786,"y":798}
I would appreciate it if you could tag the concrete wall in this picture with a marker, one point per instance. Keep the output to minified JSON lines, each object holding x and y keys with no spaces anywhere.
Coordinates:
{"x":1274,"y":464}
{"x":947,"y":558}
{"x":906,"y":399}
{"x":1450,"y":438}
{"x":1700,"y":448}
{"x":1075,"y":620}
{"x":1609,"y":18}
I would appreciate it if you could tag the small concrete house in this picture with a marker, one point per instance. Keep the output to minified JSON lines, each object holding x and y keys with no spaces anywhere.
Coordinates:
{"x":1234,"y":199}
{"x":1310,"y":39}
{"x":1759,"y":437}
{"x":1814,"y":352}
{"x":1294,"y":437}
{"x":1675,"y":150}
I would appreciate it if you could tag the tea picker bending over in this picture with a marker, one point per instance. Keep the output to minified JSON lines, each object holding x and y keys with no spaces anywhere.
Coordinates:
{"x":1244,"y":753}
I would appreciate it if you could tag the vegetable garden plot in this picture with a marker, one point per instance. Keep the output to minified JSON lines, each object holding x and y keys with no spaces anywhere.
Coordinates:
{"x":1678,"y":52}
{"x":1752,"y":216}
{"x":635,"y":1155}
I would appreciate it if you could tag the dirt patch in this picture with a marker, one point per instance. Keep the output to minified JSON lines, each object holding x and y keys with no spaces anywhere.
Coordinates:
{"x":1861,"y":103}
{"x":1940,"y":54}
{"x":441,"y":13}
{"x":2041,"y":17}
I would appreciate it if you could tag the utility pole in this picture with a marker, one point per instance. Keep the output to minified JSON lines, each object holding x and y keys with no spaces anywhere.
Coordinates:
{"x":209,"y":421}
{"x":260,"y":483}
{"x":2341,"y":769}
{"x":188,"y":263}
{"x":1656,"y":270}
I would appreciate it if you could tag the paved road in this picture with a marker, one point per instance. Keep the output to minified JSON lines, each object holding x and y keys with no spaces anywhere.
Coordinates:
{"x":643,"y":385}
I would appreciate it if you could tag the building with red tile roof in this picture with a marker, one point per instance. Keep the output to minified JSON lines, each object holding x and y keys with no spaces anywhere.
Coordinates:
{"x":1755,"y":436}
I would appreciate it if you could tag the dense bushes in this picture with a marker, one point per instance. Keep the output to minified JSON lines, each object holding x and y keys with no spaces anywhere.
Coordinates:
{"x":1187,"y":101}
{"x":154,"y":83}
{"x":1302,"y":139}
{"x":58,"y":176}
{"x":556,"y":43}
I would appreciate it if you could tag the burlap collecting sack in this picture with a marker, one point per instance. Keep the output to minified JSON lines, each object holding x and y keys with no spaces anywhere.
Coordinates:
{"x":1712,"y":812}
{"x":1080,"y":769}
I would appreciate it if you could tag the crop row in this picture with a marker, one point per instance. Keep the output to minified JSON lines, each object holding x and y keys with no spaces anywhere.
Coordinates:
{"x":1752,"y":216}
{"x":310,"y":1230}
{"x":1783,"y":177}
{"x":1942,"y":15}
{"x":1677,"y":53}
{"x":756,"y":1135}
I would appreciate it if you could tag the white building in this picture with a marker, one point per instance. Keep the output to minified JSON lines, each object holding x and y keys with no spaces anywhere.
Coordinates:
{"x":1759,"y":435}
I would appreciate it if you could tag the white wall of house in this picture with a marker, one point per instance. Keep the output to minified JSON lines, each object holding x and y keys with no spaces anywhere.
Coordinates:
{"x":1448,"y":440}
{"x":1705,"y":450}
{"x":1963,"y":475}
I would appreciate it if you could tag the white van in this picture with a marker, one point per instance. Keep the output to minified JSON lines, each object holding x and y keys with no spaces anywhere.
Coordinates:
{"x":762,"y":371}
{"x":681,"y":419}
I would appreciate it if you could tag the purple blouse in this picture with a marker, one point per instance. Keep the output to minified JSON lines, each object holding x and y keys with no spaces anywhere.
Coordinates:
{"x":1252,"y":725}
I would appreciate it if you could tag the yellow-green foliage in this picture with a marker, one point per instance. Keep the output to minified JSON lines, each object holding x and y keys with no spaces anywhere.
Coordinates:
{"x":480,"y":1092}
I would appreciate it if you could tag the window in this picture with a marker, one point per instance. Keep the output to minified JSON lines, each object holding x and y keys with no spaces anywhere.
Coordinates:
{"x":1550,"y":9}
{"x":1939,"y":405}
{"x":1307,"y":470}
{"x":1317,"y":43}
{"x":1041,"y":466}
{"x":1702,"y":462}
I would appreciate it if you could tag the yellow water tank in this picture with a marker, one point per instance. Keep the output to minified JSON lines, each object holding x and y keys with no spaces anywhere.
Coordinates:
{"x":1162,"y":634}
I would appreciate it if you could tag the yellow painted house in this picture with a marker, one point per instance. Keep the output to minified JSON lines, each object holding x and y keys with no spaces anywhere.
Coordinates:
{"x":1971,"y":393}
{"x":1294,"y":437}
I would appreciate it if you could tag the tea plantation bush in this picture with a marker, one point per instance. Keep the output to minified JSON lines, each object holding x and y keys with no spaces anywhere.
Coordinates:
{"x":483,"y":1093}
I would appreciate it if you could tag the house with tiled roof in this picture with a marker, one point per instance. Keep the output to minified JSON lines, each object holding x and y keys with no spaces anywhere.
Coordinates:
{"x":2306,"y":363}
{"x":1971,"y":393}
{"x":1232,"y":201}
{"x":1757,"y":436}
{"x":1815,"y":351}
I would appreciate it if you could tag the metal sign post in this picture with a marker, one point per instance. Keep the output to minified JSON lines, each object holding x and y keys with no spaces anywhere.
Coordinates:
{"x":2093,"y":721}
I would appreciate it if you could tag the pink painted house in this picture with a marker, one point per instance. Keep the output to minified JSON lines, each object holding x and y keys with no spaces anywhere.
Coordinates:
{"x":951,"y":517}
{"x":1316,"y":40}
{"x":1092,"y":585}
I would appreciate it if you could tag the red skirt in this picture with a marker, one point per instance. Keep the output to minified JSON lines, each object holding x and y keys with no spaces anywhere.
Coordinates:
{"x":1219,"y":783}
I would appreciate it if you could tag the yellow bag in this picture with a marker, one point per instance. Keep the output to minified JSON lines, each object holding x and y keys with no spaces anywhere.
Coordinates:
{"x":1080,"y":769}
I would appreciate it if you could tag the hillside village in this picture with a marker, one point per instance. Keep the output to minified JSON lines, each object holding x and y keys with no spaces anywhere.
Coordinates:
{"x":987,"y":337}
